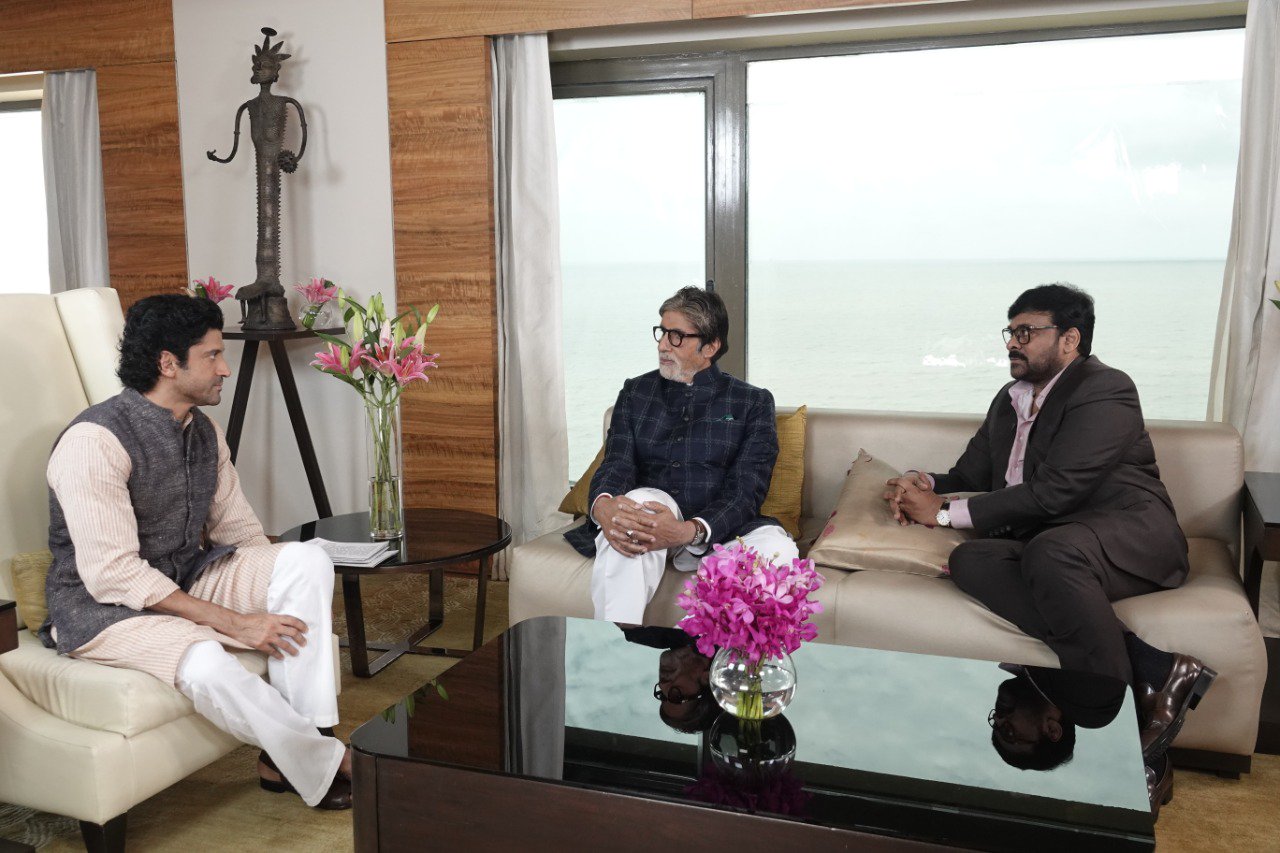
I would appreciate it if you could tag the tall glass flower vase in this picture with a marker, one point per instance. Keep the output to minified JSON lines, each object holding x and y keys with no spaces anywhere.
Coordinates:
{"x":386,"y":507}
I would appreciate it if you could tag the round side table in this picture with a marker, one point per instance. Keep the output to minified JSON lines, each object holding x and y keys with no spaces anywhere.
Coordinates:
{"x":433,"y":540}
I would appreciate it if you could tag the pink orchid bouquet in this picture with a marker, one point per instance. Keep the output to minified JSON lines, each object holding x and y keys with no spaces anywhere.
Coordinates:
{"x":383,"y":356}
{"x":741,"y":601}
{"x":210,"y":289}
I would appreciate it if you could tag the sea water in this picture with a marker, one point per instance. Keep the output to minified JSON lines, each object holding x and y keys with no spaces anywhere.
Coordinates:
{"x":893,"y":335}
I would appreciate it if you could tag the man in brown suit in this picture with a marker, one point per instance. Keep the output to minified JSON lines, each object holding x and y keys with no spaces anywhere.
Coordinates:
{"x":1072,"y":514}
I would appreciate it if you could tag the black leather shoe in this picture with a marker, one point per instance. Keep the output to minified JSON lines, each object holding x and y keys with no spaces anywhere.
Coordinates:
{"x":1160,"y":785}
{"x":337,"y":798}
{"x":1163,"y":711}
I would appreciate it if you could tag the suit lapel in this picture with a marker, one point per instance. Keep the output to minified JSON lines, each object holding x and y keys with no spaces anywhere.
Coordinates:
{"x":1003,"y":428}
{"x":1050,"y":417}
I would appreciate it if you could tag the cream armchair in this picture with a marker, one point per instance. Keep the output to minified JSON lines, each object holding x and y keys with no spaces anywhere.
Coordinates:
{"x":77,"y":739}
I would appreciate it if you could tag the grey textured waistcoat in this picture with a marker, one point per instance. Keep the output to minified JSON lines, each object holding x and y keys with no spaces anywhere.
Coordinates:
{"x":171,"y":486}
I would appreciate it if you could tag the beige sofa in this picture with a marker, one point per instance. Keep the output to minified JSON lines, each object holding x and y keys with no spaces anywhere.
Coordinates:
{"x":1202,"y":465}
{"x":77,"y":739}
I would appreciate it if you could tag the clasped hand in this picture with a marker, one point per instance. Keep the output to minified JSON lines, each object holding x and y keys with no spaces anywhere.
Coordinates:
{"x":912,"y":499}
{"x":634,"y":528}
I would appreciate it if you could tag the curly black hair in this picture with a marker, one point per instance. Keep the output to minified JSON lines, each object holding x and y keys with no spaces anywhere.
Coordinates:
{"x":168,"y":323}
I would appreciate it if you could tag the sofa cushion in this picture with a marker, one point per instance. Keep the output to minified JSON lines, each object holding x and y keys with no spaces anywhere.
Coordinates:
{"x":786,"y":487}
{"x":100,"y":697}
{"x":861,"y":533}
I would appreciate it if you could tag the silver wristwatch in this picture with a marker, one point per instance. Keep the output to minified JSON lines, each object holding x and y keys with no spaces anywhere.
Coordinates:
{"x":699,"y":537}
{"x":944,"y":514}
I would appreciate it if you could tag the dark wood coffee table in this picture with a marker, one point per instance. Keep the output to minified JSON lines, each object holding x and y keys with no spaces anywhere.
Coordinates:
{"x":434,"y":540}
{"x":549,"y":738}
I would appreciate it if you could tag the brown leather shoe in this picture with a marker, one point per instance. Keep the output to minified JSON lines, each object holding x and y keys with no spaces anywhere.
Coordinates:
{"x":1163,"y":711}
{"x":337,"y":798}
{"x":1160,"y":785}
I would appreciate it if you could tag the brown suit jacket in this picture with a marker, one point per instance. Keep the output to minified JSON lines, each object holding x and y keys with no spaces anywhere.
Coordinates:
{"x":1089,"y":460}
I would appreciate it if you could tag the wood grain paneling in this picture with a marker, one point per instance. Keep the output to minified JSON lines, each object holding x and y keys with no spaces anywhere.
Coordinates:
{"x":55,"y":35}
{"x":409,"y":20}
{"x":442,"y":188}
{"x":142,"y":179}
{"x":735,"y":8}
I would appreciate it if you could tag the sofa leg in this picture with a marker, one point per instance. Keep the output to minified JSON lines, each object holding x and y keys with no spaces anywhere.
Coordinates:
{"x":104,"y":837}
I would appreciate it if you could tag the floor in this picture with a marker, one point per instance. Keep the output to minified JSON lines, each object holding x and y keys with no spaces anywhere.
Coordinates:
{"x":221,"y":806}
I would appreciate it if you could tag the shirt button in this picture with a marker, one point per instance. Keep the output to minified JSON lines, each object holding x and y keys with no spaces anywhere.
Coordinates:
{"x":675,"y":464}
{"x":675,"y":491}
{"x":686,"y":418}
{"x":679,"y":438}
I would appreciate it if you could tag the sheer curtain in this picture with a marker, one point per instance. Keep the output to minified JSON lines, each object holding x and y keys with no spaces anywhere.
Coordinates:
{"x":73,"y":181}
{"x":532,"y":438}
{"x":1246,"y":376}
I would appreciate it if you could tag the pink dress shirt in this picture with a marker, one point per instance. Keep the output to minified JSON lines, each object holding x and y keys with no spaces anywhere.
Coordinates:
{"x":1026,"y":404}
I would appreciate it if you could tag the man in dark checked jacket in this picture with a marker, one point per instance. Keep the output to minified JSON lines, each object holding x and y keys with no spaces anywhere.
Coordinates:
{"x":687,"y":463}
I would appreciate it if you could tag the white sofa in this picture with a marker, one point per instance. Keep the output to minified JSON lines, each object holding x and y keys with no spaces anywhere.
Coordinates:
{"x":77,"y":738}
{"x":1202,"y":466}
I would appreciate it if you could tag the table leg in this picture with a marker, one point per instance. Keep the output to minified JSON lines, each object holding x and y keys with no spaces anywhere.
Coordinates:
{"x":293,"y":404}
{"x":482,"y":586}
{"x":355,"y":625}
{"x":240,"y":402}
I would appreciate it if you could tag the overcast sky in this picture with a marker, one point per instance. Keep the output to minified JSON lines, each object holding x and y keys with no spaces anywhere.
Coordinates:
{"x":1115,"y":148}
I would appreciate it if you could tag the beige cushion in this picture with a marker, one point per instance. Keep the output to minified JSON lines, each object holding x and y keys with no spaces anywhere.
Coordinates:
{"x":862,"y":534}
{"x":29,"y":574}
{"x":94,"y":323}
{"x":106,"y":698}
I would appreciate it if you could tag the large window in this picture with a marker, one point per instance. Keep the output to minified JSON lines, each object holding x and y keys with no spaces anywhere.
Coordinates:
{"x":24,"y":246}
{"x":632,"y":183}
{"x":872,"y":211}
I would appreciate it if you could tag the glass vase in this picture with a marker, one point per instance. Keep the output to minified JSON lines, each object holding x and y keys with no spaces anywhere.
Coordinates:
{"x":382,"y":431}
{"x":317,"y":316}
{"x":752,"y":691}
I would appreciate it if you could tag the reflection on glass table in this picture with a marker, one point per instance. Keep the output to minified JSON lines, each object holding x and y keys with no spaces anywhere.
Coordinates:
{"x":934,"y":748}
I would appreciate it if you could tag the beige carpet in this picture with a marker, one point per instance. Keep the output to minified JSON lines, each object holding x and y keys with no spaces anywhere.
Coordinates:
{"x":221,"y":807}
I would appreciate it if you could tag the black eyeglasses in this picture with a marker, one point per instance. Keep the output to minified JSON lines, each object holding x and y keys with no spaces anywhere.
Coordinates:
{"x":675,"y":695}
{"x":674,"y":336}
{"x":1005,"y":729}
{"x":1022,"y":333}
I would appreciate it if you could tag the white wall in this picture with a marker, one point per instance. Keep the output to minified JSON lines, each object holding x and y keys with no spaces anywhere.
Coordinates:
{"x":335,"y":221}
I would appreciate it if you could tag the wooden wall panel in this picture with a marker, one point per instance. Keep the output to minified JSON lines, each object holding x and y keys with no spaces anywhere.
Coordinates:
{"x":142,"y":179}
{"x":409,"y":20}
{"x":55,"y":35}
{"x":442,"y":190}
{"x":735,"y":8}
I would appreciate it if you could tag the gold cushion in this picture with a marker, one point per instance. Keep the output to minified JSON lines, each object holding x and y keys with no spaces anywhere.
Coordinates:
{"x":861,"y":533}
{"x":575,"y":503}
{"x":29,"y":573}
{"x":783,"y":500}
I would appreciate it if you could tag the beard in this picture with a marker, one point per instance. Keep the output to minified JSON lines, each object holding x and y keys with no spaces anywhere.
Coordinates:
{"x":674,"y":372}
{"x":1036,"y":372}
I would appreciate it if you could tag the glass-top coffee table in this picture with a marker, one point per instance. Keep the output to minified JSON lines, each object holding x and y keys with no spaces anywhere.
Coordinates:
{"x":570,"y":733}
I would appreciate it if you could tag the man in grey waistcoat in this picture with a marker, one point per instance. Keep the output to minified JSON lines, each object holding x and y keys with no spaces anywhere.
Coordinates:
{"x":160,"y":565}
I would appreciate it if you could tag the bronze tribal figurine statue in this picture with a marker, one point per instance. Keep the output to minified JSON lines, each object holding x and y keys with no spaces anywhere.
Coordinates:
{"x":267,"y":306}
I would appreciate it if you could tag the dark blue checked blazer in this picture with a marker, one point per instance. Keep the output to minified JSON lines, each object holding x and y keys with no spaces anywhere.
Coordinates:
{"x":710,"y":445}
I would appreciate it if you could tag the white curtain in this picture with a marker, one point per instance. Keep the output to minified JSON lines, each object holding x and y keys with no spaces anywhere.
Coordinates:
{"x":73,"y":181}
{"x":533,"y":450}
{"x":1246,"y":375}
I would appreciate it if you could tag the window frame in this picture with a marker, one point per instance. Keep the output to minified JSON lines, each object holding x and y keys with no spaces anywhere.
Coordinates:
{"x":722,"y":75}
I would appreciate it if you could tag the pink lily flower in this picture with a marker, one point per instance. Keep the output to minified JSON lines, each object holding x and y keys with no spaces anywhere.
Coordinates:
{"x":319,"y":291}
{"x":212,"y":290}
{"x":340,"y":361}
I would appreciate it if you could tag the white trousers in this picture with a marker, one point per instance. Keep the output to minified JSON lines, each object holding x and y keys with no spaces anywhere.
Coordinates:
{"x":622,"y":585}
{"x":280,"y":717}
